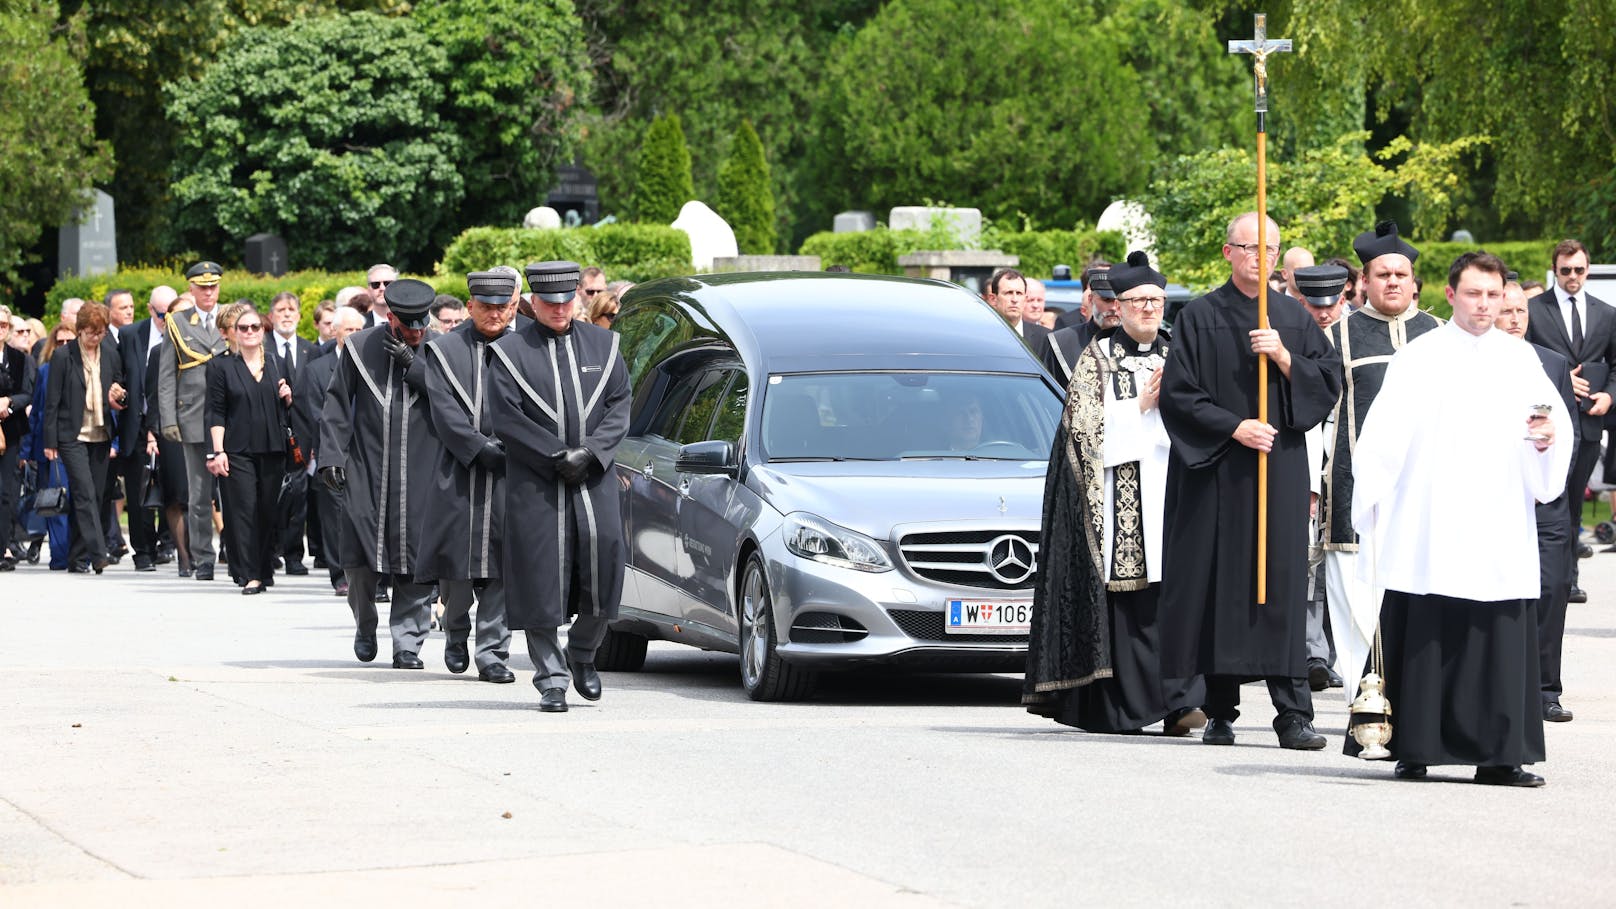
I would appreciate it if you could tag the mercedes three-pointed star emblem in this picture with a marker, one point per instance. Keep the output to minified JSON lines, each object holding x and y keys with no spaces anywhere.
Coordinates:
{"x":1011,"y":559}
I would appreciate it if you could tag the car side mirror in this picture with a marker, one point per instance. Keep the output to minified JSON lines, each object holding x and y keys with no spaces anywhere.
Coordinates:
{"x":711,"y":457}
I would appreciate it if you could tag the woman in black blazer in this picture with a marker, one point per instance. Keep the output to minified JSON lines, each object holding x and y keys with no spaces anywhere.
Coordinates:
{"x":248,"y":401}
{"x":78,"y":429}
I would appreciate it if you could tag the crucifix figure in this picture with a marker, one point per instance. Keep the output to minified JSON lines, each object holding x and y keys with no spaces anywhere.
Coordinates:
{"x":1260,"y":47}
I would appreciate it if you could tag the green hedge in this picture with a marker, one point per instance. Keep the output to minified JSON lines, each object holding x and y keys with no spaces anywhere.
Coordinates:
{"x":877,"y":251}
{"x":1529,"y":257}
{"x":633,"y":252}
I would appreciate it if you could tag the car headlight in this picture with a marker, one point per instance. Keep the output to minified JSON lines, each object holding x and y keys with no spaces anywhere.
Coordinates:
{"x":822,"y":541}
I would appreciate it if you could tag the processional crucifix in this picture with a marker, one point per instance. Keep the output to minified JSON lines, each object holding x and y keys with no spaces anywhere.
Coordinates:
{"x":1260,"y":47}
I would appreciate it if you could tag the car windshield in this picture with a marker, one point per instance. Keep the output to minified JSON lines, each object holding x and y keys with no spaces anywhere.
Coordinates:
{"x":890,"y":416}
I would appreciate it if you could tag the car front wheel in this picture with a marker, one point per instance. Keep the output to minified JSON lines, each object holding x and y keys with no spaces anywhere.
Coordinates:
{"x":764,"y":675}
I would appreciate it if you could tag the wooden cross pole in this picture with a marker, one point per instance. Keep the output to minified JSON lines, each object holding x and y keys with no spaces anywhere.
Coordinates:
{"x":1260,"y":47}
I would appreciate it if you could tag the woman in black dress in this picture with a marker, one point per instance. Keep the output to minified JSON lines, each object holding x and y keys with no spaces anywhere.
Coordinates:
{"x":248,"y":401}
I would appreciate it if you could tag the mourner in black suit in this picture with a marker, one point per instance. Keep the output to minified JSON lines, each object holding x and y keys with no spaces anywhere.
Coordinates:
{"x":16,"y":392}
{"x":134,"y":347}
{"x":83,"y":392}
{"x":295,"y":354}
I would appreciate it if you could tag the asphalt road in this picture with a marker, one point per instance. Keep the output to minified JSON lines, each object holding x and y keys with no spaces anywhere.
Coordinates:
{"x":168,"y":742}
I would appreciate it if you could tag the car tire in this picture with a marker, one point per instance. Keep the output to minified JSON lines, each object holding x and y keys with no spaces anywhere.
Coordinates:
{"x":621,"y":651}
{"x":764,"y":675}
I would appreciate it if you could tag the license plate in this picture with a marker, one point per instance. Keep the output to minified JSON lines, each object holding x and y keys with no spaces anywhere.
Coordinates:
{"x":988,"y":617}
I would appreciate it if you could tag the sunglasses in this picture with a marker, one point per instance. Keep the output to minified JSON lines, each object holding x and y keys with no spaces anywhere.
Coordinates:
{"x":1567,"y":271}
{"x":250,"y":326}
{"x":590,"y":291}
{"x":609,"y":316}
{"x":378,"y":285}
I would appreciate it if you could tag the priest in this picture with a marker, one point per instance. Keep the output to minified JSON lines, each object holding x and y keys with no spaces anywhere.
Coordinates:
{"x":1211,"y":621}
{"x":1462,"y":441}
{"x":559,"y":396}
{"x":1094,"y":660}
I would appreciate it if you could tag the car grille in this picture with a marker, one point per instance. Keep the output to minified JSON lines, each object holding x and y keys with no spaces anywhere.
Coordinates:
{"x":928,"y":626}
{"x":962,"y":557}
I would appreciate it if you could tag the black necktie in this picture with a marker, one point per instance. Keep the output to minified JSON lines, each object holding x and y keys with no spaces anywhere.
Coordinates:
{"x":286,"y":352}
{"x":1576,"y":326}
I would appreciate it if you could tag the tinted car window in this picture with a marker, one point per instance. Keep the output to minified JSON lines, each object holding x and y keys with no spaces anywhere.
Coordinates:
{"x":649,"y":331}
{"x":671,"y":412}
{"x":731,"y":419}
{"x":699,"y":415}
{"x":890,"y":416}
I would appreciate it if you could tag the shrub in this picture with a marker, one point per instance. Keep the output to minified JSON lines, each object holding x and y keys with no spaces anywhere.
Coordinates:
{"x":664,"y":183}
{"x":629,"y":251}
{"x":745,"y":193}
{"x":1529,"y":257}
{"x":877,"y":251}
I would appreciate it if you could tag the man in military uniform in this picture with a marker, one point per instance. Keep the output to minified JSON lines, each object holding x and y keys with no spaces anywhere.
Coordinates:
{"x":377,"y":448}
{"x":461,"y":546}
{"x":1367,"y":340}
{"x":1060,"y":348}
{"x":559,"y":394}
{"x":182,"y":391}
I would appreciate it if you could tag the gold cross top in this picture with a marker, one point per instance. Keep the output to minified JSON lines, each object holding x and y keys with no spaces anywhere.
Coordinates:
{"x":1260,"y":47}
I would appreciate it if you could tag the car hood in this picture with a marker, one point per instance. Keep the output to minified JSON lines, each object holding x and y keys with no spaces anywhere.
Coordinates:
{"x":874,"y":497}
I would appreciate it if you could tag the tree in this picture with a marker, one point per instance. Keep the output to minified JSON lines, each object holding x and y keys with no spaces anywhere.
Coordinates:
{"x":326,"y":131}
{"x":663,"y":183}
{"x":518,"y":75}
{"x":48,"y":156}
{"x":746,"y":194}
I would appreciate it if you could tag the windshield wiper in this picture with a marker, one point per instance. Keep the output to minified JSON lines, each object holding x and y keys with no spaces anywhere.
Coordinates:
{"x":813,"y":458}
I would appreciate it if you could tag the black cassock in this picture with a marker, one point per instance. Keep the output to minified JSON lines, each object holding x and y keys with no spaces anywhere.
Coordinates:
{"x":564,"y":550}
{"x":462,"y":539}
{"x":376,"y":426}
{"x":1210,"y":620}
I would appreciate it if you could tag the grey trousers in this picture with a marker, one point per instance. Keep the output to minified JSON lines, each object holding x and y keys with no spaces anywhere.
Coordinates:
{"x":550,"y":663}
{"x":410,"y":612}
{"x":493,"y":635}
{"x":1319,"y":644}
{"x":199,"y":504}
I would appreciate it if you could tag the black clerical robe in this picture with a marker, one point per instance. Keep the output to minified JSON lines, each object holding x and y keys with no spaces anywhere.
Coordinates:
{"x":376,"y":426}
{"x":1211,"y":623}
{"x":462,"y":541}
{"x":564,"y":548}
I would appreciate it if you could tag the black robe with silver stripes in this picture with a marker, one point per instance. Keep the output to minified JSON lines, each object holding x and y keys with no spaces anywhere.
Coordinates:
{"x":564,"y":547}
{"x":376,"y":426}
{"x":462,"y":539}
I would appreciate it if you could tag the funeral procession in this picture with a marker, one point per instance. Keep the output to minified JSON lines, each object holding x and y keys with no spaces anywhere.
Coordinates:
{"x":808,"y":454}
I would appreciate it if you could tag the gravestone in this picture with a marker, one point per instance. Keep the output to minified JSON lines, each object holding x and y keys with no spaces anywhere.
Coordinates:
{"x":87,"y":243}
{"x":964,"y":223}
{"x":710,"y":235}
{"x":542,"y":218}
{"x":576,"y":197}
{"x":766,"y":263}
{"x":851,"y":222}
{"x":266,"y":255}
{"x":969,"y":268}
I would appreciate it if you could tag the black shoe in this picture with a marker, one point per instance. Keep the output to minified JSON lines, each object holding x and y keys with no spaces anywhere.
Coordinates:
{"x":1183,"y":721}
{"x":1299,"y":736}
{"x":1507,"y":776}
{"x":252,"y":590}
{"x":1335,"y":680}
{"x":382,"y":595}
{"x":406,"y":660}
{"x":145,"y":563}
{"x":204,"y":573}
{"x":1578,"y":595}
{"x":341,"y":589}
{"x":585,"y":680}
{"x":456,"y":658}
{"x":364,"y":646}
{"x":8,"y":564}
{"x":1554,"y":713}
{"x":296,"y":569}
{"x":320,"y":564}
{"x":1218,"y":732}
{"x":553,"y":700}
{"x":1584,"y":551}
{"x":33,"y":552}
{"x":1318,"y":675}
{"x":164,"y":556}
{"x":78,"y":569}
{"x":100,"y":564}
{"x":498,"y":673}
{"x":1408,"y":770}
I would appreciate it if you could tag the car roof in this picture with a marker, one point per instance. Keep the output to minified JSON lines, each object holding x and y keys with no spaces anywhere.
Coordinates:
{"x":814,"y":321}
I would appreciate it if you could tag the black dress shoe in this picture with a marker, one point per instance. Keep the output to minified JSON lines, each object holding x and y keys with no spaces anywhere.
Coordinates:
{"x":1318,"y":675}
{"x":8,"y":564}
{"x":1335,"y":680}
{"x":33,"y":552}
{"x":1183,"y":721}
{"x":78,"y":569}
{"x":456,"y":658}
{"x":1299,"y":736}
{"x":498,"y":673}
{"x":1218,"y":732}
{"x":1507,"y":776}
{"x":585,"y":680}
{"x":341,"y":589}
{"x":296,"y":569}
{"x":1554,"y":713}
{"x":1584,"y":551}
{"x":145,"y":563}
{"x":164,"y":556}
{"x":1578,"y":595}
{"x":553,"y":700}
{"x":252,"y":590}
{"x":406,"y":660}
{"x":100,"y":564}
{"x":1408,"y":770}
{"x":382,"y":595}
{"x":204,"y":573}
{"x":320,"y":563}
{"x":364,"y":646}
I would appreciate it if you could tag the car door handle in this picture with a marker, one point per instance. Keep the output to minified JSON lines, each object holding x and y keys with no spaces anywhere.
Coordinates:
{"x":649,"y":470}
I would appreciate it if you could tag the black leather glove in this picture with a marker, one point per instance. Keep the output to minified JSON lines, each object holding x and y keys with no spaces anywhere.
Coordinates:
{"x":572,"y":465}
{"x":334,"y":478}
{"x":492,"y":455}
{"x":398,"y":350}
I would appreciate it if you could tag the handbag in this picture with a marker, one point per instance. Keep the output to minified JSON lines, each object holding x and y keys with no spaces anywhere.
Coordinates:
{"x":152,"y":495}
{"x":51,"y":501}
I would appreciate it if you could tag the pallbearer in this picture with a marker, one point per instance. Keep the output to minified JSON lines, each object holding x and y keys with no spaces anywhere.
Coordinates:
{"x":559,"y":393}
{"x":377,"y":448}
{"x":1094,"y":660}
{"x":461,"y":542}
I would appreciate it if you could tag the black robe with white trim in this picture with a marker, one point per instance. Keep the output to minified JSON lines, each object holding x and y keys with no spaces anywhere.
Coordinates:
{"x":564,"y":547}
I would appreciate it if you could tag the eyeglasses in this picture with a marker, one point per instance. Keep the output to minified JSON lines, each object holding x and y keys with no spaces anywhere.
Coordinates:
{"x":1250,"y":249}
{"x":378,"y":285}
{"x":23,"y":329}
{"x":1567,"y":271}
{"x":609,"y":316}
{"x":1145,"y":302}
{"x":249,"y":326}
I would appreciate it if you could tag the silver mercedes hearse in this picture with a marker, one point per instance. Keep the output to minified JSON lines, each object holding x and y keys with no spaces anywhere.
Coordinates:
{"x":824,"y":471}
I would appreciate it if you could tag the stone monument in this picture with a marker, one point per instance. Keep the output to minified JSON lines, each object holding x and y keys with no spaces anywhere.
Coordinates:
{"x":542,"y":218}
{"x":964,"y":223}
{"x":266,"y":255}
{"x":850,"y":222}
{"x":710,"y":235}
{"x":87,"y":243}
